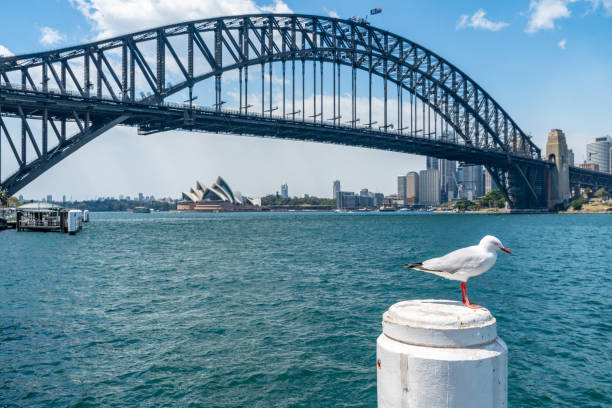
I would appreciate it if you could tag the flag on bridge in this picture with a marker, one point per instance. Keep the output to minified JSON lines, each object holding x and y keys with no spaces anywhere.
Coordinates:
{"x":377,"y":10}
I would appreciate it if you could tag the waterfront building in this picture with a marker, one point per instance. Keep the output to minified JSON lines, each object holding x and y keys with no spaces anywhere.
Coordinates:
{"x":401,"y":189}
{"x":598,"y":152}
{"x":391,"y":201}
{"x":429,"y":187}
{"x":347,"y":200}
{"x":216,"y":198}
{"x":412,"y":188}
{"x":284,"y":191}
{"x":378,"y":199}
{"x":365,"y":201}
{"x":336,"y":189}
{"x":590,"y":166}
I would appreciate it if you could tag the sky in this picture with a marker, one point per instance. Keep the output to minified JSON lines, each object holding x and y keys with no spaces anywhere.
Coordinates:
{"x":548,"y":63}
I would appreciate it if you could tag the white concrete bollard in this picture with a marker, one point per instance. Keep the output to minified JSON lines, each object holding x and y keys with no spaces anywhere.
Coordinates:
{"x":439,"y":353}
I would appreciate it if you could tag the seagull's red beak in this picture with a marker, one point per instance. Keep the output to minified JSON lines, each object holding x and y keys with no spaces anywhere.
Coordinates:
{"x":506,"y":250}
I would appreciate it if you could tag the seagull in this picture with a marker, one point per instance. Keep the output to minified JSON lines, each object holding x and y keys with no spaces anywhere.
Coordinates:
{"x":464,"y":263}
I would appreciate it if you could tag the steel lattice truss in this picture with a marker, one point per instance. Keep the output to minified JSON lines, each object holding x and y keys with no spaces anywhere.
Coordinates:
{"x":123,"y":80}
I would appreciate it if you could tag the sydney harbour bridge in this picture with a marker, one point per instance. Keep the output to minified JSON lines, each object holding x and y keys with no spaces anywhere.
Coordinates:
{"x":287,"y":76}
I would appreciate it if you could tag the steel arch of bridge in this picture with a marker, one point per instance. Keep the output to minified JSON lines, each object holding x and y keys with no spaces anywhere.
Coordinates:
{"x":87,"y":78}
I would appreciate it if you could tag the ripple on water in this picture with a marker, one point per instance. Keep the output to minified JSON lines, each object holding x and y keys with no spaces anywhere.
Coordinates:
{"x":283,"y":310}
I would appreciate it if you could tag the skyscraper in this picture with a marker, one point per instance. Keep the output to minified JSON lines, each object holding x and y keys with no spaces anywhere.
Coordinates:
{"x":336,"y":189}
{"x":473,"y":182}
{"x":429,"y":187}
{"x":401,"y":189}
{"x":598,"y":152}
{"x":284,"y":191}
{"x":448,"y":177}
{"x":431,"y":163}
{"x":490,"y":183}
{"x":570,"y":157}
{"x":412,"y":188}
{"x":49,"y":198}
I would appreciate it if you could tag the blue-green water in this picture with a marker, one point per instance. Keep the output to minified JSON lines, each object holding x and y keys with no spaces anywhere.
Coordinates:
{"x":283,"y":310}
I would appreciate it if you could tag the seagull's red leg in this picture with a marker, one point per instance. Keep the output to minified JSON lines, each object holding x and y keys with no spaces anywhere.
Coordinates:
{"x":464,"y":297}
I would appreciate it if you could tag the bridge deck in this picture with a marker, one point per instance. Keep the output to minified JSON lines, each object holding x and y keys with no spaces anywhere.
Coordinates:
{"x":151,"y":118}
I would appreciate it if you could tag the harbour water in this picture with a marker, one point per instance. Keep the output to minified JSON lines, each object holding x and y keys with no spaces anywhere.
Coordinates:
{"x":283,"y":309}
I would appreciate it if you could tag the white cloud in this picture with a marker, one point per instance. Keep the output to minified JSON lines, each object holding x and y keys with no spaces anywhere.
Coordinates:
{"x":49,"y":36}
{"x":331,"y":13}
{"x":561,"y":44}
{"x":544,"y":13}
{"x":605,"y":4}
{"x":478,"y":20}
{"x":114,"y":17}
{"x":5,"y":52}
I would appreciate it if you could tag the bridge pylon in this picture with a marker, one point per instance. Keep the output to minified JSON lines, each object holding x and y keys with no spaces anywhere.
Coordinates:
{"x":558,"y":179}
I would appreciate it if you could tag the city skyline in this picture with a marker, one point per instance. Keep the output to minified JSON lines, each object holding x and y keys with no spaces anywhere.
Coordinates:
{"x":538,"y":97}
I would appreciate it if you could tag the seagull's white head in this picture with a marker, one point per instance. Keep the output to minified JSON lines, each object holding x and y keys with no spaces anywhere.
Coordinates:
{"x":491,"y":244}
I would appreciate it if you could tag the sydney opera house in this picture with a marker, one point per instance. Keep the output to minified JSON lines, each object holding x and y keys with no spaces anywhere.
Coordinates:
{"x":216,"y":198}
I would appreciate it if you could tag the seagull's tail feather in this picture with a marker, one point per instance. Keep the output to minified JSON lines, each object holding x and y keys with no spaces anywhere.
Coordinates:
{"x":419,"y":267}
{"x":414,"y":265}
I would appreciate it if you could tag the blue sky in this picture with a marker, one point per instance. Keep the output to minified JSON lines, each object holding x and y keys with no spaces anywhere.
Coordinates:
{"x":547,"y":62}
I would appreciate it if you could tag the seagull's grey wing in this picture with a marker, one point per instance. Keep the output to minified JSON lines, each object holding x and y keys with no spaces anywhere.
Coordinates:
{"x":456,"y":261}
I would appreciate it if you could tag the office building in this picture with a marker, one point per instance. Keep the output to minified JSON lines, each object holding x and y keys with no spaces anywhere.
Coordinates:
{"x":429,"y":187}
{"x":140,"y":197}
{"x":366,"y":199}
{"x":490,"y":183}
{"x":570,"y":157}
{"x":598,"y":152}
{"x":49,"y":198}
{"x":284,"y":191}
{"x":401,"y":189}
{"x":431,"y":163}
{"x":473,"y":182}
{"x":347,"y":200}
{"x":336,"y":189}
{"x":590,"y":166}
{"x":412,"y":188}
{"x":379,"y":199}
{"x":448,"y":176}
